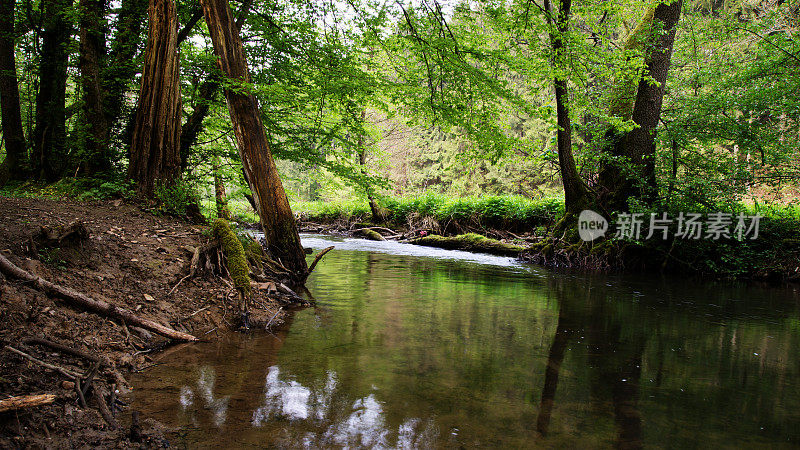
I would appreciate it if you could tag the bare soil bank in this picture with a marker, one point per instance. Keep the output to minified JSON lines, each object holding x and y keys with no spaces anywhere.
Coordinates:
{"x":131,"y":259}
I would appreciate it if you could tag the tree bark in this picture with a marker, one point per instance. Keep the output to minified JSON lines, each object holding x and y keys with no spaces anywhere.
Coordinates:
{"x":220,"y":196}
{"x":49,"y":141}
{"x":277,"y":220}
{"x":155,"y":156}
{"x":640,"y":143}
{"x":121,"y":60}
{"x":575,"y":194}
{"x":13,"y":134}
{"x":92,"y":57}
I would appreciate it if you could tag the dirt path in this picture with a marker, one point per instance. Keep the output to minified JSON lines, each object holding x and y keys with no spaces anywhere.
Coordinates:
{"x":131,"y":259}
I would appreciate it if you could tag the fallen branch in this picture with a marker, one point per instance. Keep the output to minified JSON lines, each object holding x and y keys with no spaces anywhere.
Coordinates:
{"x":63,"y":371}
{"x":25,"y":401}
{"x":97,"y":306}
{"x":66,"y":349}
{"x":314,"y":263}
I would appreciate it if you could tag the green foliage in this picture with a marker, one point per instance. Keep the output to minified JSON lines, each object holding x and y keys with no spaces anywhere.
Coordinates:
{"x":235,"y":256}
{"x":76,"y":188}
{"x":177,"y":198}
{"x":507,"y":211}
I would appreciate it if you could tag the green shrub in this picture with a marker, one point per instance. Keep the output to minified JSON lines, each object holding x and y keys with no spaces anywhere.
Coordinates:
{"x":176,"y":199}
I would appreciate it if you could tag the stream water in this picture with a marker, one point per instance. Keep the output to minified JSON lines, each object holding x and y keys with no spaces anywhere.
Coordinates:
{"x":413,"y":347}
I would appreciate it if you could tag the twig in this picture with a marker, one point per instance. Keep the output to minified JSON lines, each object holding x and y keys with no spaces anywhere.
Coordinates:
{"x":66,"y":349}
{"x":81,"y":397}
{"x":273,"y":317}
{"x":66,"y":372}
{"x":100,"y":400}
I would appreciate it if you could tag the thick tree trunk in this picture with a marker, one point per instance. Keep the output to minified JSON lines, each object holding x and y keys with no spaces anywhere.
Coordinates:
{"x":49,"y":141}
{"x":277,"y":220}
{"x":640,"y":143}
{"x":155,"y":156}
{"x":13,"y":135}
{"x":92,"y":57}
{"x":575,"y":194}
{"x":637,"y":148}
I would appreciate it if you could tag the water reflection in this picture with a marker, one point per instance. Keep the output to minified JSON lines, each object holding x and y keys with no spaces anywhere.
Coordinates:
{"x":413,"y":352}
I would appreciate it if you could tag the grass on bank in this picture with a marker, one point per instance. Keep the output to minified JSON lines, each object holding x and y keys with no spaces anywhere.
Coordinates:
{"x":504,"y":212}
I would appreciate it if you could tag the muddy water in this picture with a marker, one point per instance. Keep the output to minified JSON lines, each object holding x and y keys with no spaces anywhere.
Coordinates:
{"x":415,"y":348}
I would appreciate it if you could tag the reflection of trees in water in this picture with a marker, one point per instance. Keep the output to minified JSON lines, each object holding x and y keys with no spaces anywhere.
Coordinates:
{"x":615,"y":363}
{"x":337,"y":421}
{"x":361,"y":424}
{"x":205,"y":390}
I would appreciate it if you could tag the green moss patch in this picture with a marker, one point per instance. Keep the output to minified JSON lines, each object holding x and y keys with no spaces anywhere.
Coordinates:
{"x":234,"y":252}
{"x":469,"y":242}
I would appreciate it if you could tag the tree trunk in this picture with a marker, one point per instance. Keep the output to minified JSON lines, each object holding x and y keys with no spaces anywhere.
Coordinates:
{"x":13,"y":135}
{"x":637,"y":148}
{"x":208,"y":90}
{"x":121,"y":61}
{"x":575,"y":194}
{"x":92,"y":57}
{"x":362,"y":161}
{"x":50,"y":134}
{"x":220,"y":196}
{"x":194,"y":125}
{"x":640,"y":143}
{"x":277,"y":220}
{"x":155,"y":156}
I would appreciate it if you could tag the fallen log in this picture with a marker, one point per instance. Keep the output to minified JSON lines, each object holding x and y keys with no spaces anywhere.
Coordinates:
{"x":25,"y":401}
{"x":96,"y":306}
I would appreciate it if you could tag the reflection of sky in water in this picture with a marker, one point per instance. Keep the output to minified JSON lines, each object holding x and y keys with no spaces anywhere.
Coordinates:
{"x":205,"y":388}
{"x":363,"y":426}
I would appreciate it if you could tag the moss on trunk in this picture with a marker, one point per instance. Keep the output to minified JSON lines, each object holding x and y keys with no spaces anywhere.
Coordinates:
{"x":237,"y":258}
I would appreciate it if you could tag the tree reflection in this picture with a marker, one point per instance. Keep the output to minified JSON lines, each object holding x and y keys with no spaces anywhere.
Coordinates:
{"x":614,"y":363}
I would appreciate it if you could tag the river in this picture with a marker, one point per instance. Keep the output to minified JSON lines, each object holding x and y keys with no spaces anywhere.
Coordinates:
{"x":413,"y":347}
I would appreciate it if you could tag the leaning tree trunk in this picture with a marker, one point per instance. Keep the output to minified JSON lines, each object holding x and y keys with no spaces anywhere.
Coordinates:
{"x":208,"y":90}
{"x":636,"y":149}
{"x":50,"y":135}
{"x":220,"y":197}
{"x":640,"y":143}
{"x":277,"y":220}
{"x":155,"y":157}
{"x":13,"y":135}
{"x":92,"y":56}
{"x":575,"y":194}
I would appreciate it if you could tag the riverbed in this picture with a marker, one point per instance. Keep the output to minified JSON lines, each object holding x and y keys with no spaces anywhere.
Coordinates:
{"x":414,"y":347}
